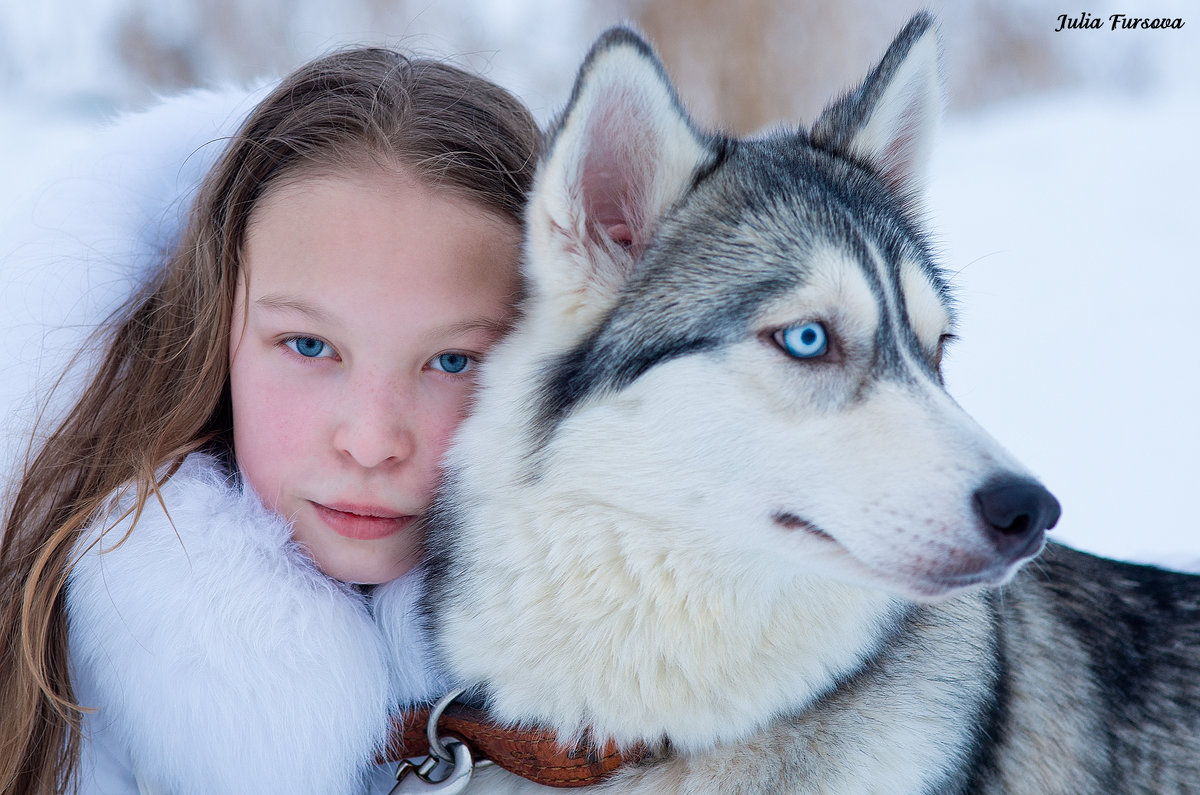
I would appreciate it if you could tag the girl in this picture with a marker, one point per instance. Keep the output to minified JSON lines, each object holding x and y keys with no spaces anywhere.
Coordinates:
{"x":184,"y":556}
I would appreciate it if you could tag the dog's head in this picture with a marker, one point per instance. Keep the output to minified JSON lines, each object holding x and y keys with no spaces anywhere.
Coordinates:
{"x":741,"y":340}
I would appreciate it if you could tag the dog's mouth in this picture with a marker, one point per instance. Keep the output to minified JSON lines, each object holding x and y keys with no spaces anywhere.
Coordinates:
{"x":929,"y":586}
{"x":790,"y":521}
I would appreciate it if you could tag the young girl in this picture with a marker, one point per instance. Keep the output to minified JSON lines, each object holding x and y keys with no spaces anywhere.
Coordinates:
{"x":184,"y":554}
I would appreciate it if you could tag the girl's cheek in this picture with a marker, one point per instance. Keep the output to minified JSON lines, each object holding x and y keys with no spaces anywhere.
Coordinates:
{"x":274,"y":412}
{"x":453,"y":408}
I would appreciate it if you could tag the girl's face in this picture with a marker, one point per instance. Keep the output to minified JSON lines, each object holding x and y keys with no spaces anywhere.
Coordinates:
{"x":368,"y":302}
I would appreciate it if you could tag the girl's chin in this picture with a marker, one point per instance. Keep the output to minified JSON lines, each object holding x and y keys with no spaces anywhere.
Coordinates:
{"x":361,"y":564}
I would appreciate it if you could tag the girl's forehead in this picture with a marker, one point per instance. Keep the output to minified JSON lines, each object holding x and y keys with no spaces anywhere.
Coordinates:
{"x":372,"y":175}
{"x":358,"y":241}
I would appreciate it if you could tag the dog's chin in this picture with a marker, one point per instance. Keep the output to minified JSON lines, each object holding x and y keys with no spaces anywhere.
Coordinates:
{"x":939,"y":589}
{"x":937,"y":586}
{"x":954,"y":576}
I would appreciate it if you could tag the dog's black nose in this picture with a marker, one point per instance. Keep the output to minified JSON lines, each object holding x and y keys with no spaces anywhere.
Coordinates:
{"x":1017,"y":511}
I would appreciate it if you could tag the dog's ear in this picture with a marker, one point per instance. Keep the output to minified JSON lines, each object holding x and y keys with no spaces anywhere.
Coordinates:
{"x":621,"y":153}
{"x":888,"y":122}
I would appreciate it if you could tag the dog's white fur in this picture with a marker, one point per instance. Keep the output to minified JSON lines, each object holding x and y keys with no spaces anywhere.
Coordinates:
{"x":635,"y":584}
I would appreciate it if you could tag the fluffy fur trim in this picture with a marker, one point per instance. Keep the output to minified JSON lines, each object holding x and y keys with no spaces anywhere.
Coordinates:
{"x":89,"y":237}
{"x":221,"y":658}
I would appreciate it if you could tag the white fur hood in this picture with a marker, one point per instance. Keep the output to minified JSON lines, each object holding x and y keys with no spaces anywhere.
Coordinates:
{"x":221,"y":660}
{"x":87,"y":239}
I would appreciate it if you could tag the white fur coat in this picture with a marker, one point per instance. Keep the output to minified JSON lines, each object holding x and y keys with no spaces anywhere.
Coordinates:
{"x":220,"y":660}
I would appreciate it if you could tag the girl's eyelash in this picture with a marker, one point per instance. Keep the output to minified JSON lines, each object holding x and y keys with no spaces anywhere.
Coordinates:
{"x":309,"y":347}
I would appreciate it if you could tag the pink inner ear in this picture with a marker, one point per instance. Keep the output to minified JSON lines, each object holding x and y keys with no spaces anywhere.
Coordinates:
{"x":610,"y":179}
{"x":899,"y":159}
{"x":896,"y":160}
{"x":620,"y":234}
{"x":606,"y":199}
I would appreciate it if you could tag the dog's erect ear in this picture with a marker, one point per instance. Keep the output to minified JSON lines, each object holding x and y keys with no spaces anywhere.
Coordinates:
{"x":621,"y":153}
{"x":888,"y":121}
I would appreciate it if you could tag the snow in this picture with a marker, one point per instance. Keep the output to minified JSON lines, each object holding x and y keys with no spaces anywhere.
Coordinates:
{"x":1067,"y":221}
{"x":1069,"y":225}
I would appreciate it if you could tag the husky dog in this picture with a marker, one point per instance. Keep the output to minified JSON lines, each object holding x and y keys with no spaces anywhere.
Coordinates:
{"x":715,"y":500}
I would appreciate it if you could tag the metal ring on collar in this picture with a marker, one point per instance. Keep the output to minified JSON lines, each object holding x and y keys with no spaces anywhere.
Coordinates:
{"x":436,"y":746}
{"x":423,"y":781}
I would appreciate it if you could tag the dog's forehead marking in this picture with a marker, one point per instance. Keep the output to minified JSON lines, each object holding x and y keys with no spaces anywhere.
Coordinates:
{"x":927,"y":312}
{"x":891,"y":331}
{"x":916,"y":315}
{"x":774,"y":219}
{"x":834,"y":287}
{"x":833,"y":206}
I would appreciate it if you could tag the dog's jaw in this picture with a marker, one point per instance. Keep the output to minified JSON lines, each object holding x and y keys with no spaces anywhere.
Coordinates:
{"x":574,"y":609}
{"x":600,"y":628}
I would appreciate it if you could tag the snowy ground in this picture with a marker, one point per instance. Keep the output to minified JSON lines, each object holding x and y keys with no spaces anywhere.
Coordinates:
{"x":1068,"y":222}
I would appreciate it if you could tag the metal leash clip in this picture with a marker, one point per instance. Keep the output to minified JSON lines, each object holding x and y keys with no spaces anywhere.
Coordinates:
{"x":448,"y":768}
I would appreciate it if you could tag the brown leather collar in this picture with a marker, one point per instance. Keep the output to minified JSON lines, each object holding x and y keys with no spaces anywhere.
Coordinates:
{"x":535,"y":754}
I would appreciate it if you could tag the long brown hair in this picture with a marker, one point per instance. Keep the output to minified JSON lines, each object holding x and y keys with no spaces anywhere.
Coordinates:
{"x":160,"y":390}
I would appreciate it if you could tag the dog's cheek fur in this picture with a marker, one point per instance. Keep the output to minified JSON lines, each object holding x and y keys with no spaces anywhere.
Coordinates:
{"x":891,"y":476}
{"x":626,"y":558}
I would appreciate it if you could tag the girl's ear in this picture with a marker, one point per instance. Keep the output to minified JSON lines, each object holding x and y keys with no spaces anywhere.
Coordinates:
{"x":621,"y":153}
{"x":888,"y":122}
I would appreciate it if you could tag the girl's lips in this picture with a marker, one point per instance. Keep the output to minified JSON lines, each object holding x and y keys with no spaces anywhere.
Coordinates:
{"x":362,"y":524}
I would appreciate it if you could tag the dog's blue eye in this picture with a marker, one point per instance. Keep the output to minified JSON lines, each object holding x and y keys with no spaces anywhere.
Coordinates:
{"x":452,"y":363}
{"x":309,"y":347}
{"x":806,"y":341}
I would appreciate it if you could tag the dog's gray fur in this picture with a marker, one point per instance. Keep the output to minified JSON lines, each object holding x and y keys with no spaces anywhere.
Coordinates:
{"x":784,"y":572}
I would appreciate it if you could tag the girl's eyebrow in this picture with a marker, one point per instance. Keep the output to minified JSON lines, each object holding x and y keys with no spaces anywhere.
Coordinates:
{"x":279,"y":302}
{"x":497,"y":327}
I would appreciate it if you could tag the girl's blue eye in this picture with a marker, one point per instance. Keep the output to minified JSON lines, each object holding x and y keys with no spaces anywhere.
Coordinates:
{"x":309,"y":347}
{"x":806,"y":341}
{"x":453,"y":363}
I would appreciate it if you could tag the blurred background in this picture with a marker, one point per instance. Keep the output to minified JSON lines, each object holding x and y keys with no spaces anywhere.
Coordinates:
{"x":740,"y":64}
{"x":1063,"y":193}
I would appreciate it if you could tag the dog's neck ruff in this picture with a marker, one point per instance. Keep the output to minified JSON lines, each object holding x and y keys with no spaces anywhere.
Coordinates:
{"x":607,"y":625}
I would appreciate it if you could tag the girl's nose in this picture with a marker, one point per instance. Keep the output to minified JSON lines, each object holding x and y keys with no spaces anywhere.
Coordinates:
{"x":377,"y":426}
